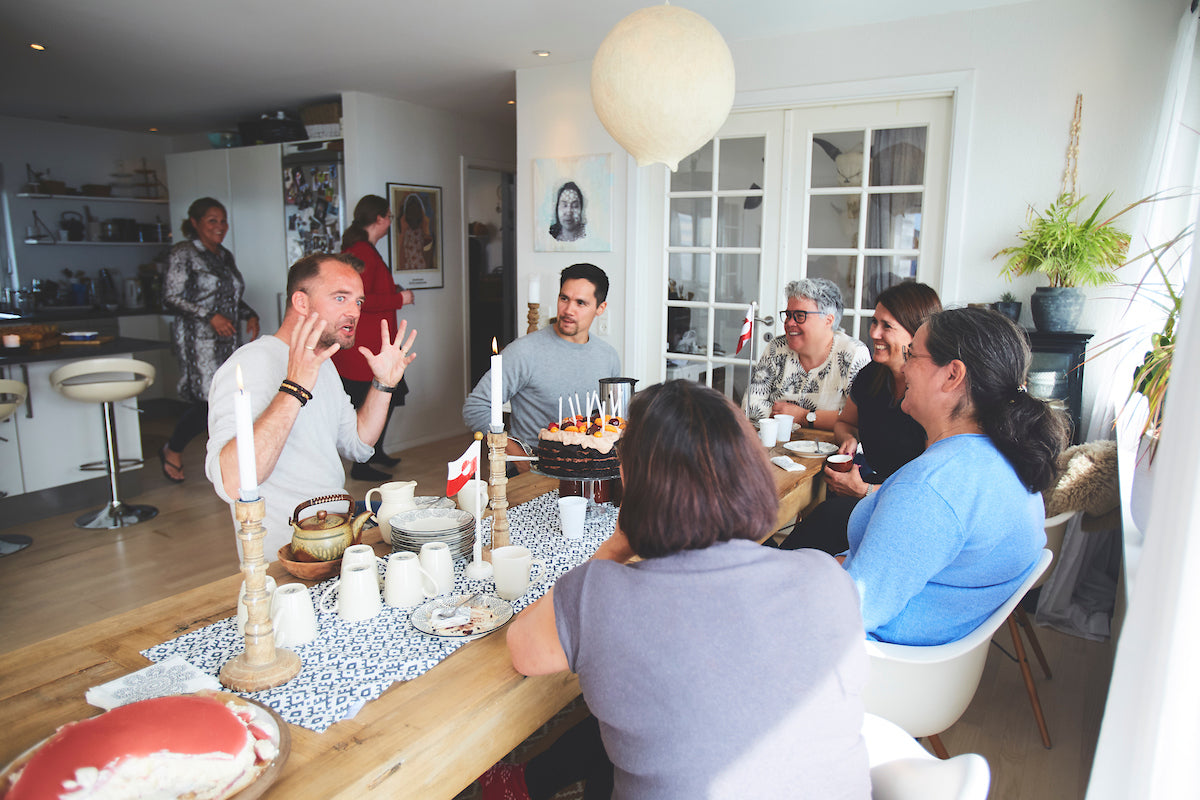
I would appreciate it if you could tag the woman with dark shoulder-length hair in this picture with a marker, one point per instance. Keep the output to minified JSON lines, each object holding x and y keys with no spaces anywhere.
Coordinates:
{"x":569,"y":224}
{"x":950,"y":535}
{"x":381,"y":300}
{"x":676,"y":653}
{"x":872,"y":415}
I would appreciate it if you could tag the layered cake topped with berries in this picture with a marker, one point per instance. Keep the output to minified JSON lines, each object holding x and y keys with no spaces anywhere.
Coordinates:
{"x":581,"y":448}
{"x":196,"y":747}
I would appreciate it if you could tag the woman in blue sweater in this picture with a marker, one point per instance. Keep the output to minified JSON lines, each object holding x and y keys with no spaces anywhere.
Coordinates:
{"x":950,"y":535}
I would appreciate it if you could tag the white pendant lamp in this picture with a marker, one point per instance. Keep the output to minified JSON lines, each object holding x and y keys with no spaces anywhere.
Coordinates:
{"x":662,"y":83}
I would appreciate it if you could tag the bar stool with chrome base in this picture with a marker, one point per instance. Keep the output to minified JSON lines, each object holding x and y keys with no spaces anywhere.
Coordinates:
{"x":105,"y":381}
{"x":12,"y":395}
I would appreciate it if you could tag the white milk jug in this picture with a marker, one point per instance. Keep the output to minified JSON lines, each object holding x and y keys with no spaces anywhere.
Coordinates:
{"x":395,"y":496}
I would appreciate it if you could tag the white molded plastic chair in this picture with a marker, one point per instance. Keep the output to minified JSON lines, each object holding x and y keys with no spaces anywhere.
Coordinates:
{"x":903,"y":770}
{"x":105,"y":381}
{"x":925,"y":690}
{"x":1056,"y":529}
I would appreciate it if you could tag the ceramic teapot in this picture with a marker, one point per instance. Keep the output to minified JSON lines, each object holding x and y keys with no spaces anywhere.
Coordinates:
{"x":395,"y":496}
{"x":325,"y":535}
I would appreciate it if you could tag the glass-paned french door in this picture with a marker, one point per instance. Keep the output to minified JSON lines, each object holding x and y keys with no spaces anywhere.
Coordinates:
{"x":853,"y":192}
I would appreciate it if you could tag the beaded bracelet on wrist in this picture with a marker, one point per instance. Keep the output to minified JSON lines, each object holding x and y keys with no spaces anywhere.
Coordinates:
{"x":300,"y":394}
{"x":305,"y":393}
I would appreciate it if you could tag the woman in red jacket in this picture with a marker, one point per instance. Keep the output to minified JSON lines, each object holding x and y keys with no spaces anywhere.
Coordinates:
{"x":372,"y":218}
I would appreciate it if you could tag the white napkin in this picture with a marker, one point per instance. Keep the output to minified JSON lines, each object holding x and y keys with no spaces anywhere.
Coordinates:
{"x":169,"y":677}
{"x":783,"y":462}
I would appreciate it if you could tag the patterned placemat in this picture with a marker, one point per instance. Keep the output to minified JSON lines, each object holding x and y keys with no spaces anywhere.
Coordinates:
{"x":349,"y":664}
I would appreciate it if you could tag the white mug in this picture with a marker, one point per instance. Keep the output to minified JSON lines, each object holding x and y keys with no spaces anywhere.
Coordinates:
{"x":783,"y":427}
{"x":241,"y":606}
{"x":406,"y":584}
{"x":571,"y":512}
{"x":512,"y":566}
{"x":293,"y":616}
{"x":357,"y":594}
{"x":766,"y":431}
{"x":361,"y":554}
{"x":435,"y":560}
{"x":473,"y":497}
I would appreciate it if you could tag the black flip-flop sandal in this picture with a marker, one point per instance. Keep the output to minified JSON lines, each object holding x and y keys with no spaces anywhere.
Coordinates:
{"x":162,"y":460}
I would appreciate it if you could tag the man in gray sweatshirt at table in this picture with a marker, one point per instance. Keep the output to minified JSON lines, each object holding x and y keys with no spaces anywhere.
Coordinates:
{"x":559,"y":361}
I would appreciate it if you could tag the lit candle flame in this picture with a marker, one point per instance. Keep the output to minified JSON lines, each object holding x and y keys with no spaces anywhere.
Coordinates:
{"x":494,"y":348}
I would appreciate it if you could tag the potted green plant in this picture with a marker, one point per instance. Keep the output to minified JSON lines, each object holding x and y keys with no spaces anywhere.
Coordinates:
{"x":1009,"y":306}
{"x":1150,"y":379}
{"x":1070,"y":252}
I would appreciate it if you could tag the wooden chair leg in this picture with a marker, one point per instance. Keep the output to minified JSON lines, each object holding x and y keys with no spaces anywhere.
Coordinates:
{"x":1030,"y":687}
{"x":939,"y":749}
{"x":1027,"y":625}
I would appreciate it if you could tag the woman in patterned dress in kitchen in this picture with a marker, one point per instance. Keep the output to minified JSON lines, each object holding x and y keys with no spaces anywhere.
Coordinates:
{"x":807,"y":372}
{"x":203,"y":288}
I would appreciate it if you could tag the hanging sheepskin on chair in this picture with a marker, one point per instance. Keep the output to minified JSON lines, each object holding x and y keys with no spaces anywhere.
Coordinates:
{"x":662,"y":83}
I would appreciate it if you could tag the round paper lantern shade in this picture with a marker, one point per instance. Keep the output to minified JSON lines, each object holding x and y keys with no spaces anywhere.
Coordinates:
{"x":662,"y":83}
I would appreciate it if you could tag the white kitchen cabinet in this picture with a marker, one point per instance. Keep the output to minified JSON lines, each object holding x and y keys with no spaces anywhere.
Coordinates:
{"x":62,"y":434}
{"x":10,"y":458}
{"x":249,"y":182}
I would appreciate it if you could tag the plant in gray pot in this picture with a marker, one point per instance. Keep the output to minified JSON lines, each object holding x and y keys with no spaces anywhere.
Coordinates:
{"x":1008,"y":306}
{"x":1070,"y":252}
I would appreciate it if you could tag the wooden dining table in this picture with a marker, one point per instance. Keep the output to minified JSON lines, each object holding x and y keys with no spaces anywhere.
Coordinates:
{"x":429,"y":737}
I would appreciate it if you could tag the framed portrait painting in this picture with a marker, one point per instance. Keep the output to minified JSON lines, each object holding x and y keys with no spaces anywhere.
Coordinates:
{"x":416,"y":235}
{"x":572,"y":204}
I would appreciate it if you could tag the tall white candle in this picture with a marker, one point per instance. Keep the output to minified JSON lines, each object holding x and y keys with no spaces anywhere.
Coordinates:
{"x":560,"y":416}
{"x":497,"y":421}
{"x":535,"y":289}
{"x":244,"y":417}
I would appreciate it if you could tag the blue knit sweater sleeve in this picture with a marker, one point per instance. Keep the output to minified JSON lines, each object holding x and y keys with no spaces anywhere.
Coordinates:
{"x":890,"y":567}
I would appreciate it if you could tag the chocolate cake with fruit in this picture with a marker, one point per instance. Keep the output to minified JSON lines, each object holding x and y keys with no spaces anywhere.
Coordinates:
{"x":580,"y":449}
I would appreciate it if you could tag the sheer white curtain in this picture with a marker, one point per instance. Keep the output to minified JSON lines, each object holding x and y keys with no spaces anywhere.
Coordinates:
{"x":1151,"y":730}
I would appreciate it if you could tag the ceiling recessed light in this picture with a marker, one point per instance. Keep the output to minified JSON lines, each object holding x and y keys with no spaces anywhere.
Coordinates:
{"x":541,"y":53}
{"x":512,"y":102}
{"x":38,"y":46}
{"x":154,"y":130}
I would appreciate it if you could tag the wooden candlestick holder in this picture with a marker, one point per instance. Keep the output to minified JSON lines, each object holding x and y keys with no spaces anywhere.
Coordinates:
{"x":498,"y":472}
{"x":533,"y":317}
{"x":261,"y":665}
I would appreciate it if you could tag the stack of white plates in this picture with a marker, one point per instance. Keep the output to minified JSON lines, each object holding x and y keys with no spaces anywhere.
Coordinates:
{"x":411,"y":529}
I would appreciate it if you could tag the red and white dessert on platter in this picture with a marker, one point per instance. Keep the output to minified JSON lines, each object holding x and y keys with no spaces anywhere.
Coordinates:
{"x":581,"y":448}
{"x":200,"y":747}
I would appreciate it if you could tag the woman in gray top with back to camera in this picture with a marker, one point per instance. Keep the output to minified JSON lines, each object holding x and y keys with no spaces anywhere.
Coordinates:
{"x":203,"y":288}
{"x":715,"y":668}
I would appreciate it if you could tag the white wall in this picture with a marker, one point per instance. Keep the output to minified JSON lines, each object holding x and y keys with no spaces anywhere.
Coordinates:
{"x":391,"y":141}
{"x":1028,"y":61}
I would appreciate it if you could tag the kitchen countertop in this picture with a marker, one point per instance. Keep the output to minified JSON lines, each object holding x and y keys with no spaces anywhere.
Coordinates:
{"x":53,"y":314}
{"x":71,"y":352}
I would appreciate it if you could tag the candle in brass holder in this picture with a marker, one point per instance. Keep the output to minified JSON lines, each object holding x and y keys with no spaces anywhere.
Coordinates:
{"x":261,"y":665}
{"x":533,"y":317}
{"x":498,"y":465}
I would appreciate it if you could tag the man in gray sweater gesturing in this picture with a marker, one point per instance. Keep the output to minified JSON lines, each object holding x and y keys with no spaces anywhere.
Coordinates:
{"x":558,"y":361}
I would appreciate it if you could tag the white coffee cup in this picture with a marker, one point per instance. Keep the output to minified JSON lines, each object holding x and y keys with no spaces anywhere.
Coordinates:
{"x":357,"y":594}
{"x":766,"y":431}
{"x":435,"y":560}
{"x":513,"y":566}
{"x":293,"y":615}
{"x":241,"y":606}
{"x":783,"y":427}
{"x":406,"y":583}
{"x":473,"y":497}
{"x":361,"y":555}
{"x":571,"y":512}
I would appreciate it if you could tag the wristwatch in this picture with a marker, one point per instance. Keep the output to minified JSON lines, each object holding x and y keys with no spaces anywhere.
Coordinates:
{"x":381,"y":387}
{"x":812,"y":419}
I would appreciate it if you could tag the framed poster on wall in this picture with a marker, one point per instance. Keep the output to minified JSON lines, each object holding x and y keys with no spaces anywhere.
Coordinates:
{"x":416,"y":235}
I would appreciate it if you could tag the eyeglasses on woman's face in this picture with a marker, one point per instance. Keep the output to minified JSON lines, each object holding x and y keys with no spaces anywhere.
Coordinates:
{"x":909,"y":354}
{"x":798,"y":315}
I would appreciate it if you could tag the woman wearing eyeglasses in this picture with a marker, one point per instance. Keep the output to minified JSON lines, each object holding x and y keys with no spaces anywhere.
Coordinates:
{"x":950,"y":535}
{"x":809,"y":368}
{"x":872,"y":415}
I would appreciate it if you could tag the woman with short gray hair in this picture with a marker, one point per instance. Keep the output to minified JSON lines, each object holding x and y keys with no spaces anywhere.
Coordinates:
{"x":807,"y":372}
